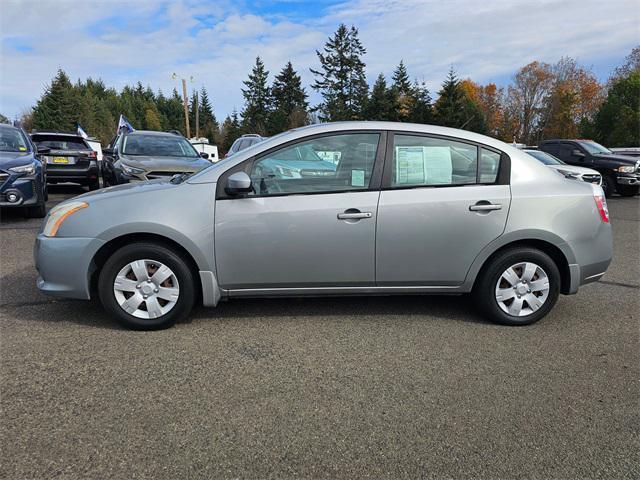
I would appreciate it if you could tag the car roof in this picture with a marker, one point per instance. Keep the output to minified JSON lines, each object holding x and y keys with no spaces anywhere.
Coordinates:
{"x":7,"y":125}
{"x":56,"y":132}
{"x":152,"y":132}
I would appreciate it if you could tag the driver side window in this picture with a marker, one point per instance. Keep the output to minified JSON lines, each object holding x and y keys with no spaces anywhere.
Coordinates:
{"x":334,"y":163}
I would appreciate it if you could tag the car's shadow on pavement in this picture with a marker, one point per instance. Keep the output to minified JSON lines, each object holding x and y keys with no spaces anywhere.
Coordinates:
{"x":20,"y":300}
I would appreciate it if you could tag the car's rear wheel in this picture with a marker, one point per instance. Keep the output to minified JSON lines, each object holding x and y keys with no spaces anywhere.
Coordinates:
{"x":95,"y":185}
{"x":519,"y":287}
{"x":147,"y":286}
{"x":628,"y":190}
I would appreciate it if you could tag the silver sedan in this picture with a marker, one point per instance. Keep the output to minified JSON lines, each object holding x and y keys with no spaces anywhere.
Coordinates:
{"x":353,"y":208}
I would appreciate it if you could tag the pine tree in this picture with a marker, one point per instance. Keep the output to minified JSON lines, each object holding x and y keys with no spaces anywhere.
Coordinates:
{"x":381,"y":102}
{"x":59,"y":105}
{"x":403,"y":94}
{"x":209,"y":124}
{"x":422,"y":111}
{"x":231,"y":130}
{"x":257,"y":98}
{"x":289,"y":101}
{"x":341,"y":80}
{"x":455,"y":109}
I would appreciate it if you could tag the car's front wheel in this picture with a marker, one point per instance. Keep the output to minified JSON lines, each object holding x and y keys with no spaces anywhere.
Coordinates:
{"x":628,"y":190}
{"x":608,"y":185}
{"x":519,"y":287}
{"x":147,"y":286}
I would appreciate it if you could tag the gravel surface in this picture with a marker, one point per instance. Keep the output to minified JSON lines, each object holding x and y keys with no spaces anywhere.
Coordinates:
{"x":389,"y":387}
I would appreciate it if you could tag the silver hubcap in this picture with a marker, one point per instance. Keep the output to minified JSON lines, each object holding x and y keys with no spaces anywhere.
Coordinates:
{"x":146,"y":289}
{"x":522,"y":289}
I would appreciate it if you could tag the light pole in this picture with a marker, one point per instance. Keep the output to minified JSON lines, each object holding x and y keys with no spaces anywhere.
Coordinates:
{"x":186,"y":105}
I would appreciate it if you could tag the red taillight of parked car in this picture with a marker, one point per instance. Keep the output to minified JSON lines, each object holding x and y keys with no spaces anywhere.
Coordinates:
{"x":601,"y":203}
{"x":92,"y":154}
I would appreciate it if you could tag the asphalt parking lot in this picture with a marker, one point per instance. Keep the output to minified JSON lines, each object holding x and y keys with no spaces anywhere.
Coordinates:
{"x":395,"y":387}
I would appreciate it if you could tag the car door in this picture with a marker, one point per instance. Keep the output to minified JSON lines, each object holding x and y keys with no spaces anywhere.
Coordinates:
{"x":309,"y":222}
{"x":442,"y":201}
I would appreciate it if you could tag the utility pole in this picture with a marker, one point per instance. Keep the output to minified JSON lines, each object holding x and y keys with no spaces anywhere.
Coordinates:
{"x":186,"y":107}
{"x":197,"y":114}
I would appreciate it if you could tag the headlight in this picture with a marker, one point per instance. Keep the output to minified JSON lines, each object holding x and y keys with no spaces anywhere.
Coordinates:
{"x":28,"y":169}
{"x":131,"y":170}
{"x":626,"y":169}
{"x":59,"y":214}
{"x":567,"y":173}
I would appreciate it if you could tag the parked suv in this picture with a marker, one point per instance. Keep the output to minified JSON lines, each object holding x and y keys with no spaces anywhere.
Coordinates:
{"x":620,"y":173}
{"x":245,"y":141}
{"x":70,"y":158}
{"x":147,"y":155}
{"x":405,"y":209}
{"x":22,"y":173}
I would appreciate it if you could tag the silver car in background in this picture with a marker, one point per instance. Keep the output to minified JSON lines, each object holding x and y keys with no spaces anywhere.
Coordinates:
{"x":583,"y":174}
{"x":407,"y":209}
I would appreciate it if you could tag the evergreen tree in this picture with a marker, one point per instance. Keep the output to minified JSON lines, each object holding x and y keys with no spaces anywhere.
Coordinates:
{"x":403,"y":94}
{"x":58,"y":108}
{"x":289,"y":101}
{"x":341,"y":80}
{"x":617,"y":123}
{"x":422,"y":111}
{"x":381,"y":102}
{"x":209,"y":124}
{"x":454,"y":109}
{"x":231,"y":130}
{"x":257,"y":96}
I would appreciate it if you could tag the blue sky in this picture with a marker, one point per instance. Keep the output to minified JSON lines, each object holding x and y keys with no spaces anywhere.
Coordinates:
{"x":216,"y":42}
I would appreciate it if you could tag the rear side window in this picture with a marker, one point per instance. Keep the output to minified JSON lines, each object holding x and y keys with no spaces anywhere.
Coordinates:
{"x":60,"y":142}
{"x":489,"y":166}
{"x":427,"y":161}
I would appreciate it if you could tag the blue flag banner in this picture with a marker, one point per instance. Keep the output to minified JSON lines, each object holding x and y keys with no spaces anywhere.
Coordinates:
{"x":81,"y":131}
{"x":124,"y":123}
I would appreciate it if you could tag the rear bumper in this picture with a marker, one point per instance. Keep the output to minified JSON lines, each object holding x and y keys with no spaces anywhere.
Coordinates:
{"x":73,"y":173}
{"x":593,"y":257}
{"x":65,"y":265}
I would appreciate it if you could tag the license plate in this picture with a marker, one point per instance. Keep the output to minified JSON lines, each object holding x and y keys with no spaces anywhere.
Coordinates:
{"x":61,"y":160}
{"x":64,"y":160}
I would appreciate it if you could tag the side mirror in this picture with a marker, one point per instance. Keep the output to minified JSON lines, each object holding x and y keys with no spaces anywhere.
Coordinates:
{"x":108,"y":151}
{"x":238,"y":182}
{"x":204,"y":155}
{"x":577,"y":153}
{"x":43,"y":149}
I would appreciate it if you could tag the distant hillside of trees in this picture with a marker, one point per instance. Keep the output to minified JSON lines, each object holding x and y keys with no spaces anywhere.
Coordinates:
{"x":542,"y":101}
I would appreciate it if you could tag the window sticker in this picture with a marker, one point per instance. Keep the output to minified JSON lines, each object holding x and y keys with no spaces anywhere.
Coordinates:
{"x":423,"y":165}
{"x":22,"y":149}
{"x":357,"y":178}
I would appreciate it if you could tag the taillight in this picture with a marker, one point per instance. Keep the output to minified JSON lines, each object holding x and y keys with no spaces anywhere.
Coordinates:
{"x":93,"y":154}
{"x":601,"y":203}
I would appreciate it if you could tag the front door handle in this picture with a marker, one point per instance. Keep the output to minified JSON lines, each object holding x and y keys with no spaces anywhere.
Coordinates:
{"x":354,"y":215}
{"x":485,"y":207}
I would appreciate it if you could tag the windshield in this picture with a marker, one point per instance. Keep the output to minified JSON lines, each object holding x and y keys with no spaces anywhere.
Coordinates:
{"x":12,"y":140}
{"x":60,"y":142}
{"x":158,"y":146}
{"x":593,"y":147}
{"x":545,"y":157}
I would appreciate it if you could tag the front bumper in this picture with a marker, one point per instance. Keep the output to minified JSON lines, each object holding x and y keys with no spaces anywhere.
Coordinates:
{"x":627,"y":179}
{"x":65,"y":265}
{"x":27,"y":188}
{"x":84,"y":174}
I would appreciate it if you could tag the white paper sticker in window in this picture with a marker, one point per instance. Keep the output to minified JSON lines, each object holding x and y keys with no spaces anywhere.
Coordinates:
{"x":423,"y":165}
{"x":357,"y":178}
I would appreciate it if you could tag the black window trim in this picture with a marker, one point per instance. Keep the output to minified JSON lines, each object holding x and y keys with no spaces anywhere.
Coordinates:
{"x":247,"y":165}
{"x":502,"y":178}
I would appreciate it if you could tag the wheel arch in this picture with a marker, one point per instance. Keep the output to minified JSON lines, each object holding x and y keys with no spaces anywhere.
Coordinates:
{"x":106,"y":250}
{"x":562,"y":257}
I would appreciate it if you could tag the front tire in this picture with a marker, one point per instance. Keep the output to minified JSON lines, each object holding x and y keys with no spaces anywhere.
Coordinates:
{"x":608,"y":185}
{"x":147,"y":286}
{"x":628,"y":190}
{"x":519,"y":287}
{"x":37,"y":211}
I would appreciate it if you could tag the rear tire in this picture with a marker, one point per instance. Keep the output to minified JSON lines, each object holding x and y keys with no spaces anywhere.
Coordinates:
{"x":120,"y":287}
{"x":94,"y":185}
{"x":628,"y":190}
{"x":533,"y":300}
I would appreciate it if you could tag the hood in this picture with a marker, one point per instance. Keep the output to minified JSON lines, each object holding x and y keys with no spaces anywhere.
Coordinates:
{"x":574,"y":169}
{"x":166,"y":164}
{"x":125,"y":189}
{"x":622,"y":159}
{"x":14,"y":159}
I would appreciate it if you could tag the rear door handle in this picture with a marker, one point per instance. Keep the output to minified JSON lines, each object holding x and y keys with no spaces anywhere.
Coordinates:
{"x":485,"y":207}
{"x":354,"y":215}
